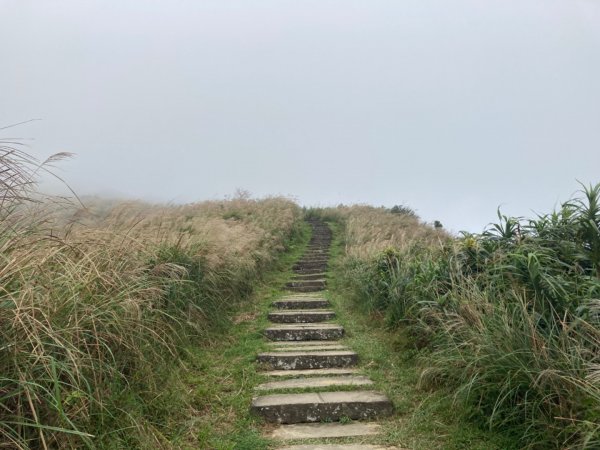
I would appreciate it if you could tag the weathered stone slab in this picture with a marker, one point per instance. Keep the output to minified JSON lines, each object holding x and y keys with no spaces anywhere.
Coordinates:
{"x":315,"y":282}
{"x":309,"y":276}
{"x":322,"y":406}
{"x":311,"y":372}
{"x":337,"y":447}
{"x":313,"y":259}
{"x":308,"y":360}
{"x":324,"y":430}
{"x":315,"y":382}
{"x":301,"y":303}
{"x":317,"y":253}
{"x":301,"y":316}
{"x":306,"y":288}
{"x":310,"y":265}
{"x":284,"y":344}
{"x":304,"y":332}
{"x":311,"y":348}
{"x":308,"y":271}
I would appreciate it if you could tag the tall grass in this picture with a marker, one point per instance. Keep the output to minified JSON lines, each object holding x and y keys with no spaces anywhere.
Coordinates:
{"x":97,"y":302}
{"x":508,"y":319}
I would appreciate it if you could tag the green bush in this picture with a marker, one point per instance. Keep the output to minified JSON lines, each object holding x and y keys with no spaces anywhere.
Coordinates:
{"x":510,"y":318}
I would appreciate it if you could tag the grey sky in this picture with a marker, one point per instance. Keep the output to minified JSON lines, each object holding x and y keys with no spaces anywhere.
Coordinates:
{"x":452,"y":107}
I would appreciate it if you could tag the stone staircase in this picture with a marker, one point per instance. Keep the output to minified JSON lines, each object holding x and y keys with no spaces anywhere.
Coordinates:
{"x":316,"y":387}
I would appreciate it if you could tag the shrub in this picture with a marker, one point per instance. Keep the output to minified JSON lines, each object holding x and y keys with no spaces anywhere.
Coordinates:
{"x":510,"y":317}
{"x":97,"y":302}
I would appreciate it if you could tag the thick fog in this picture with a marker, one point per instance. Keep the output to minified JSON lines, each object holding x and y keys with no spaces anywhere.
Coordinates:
{"x":451,"y":107}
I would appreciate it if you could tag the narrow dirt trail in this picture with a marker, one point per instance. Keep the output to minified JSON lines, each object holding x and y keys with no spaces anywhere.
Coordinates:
{"x":315,"y":393}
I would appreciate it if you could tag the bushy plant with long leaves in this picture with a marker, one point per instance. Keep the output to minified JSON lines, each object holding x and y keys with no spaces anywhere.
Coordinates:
{"x":510,"y":317}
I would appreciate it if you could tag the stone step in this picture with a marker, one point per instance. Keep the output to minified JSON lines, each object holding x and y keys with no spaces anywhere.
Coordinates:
{"x":322,"y":406}
{"x":313,"y":258}
{"x":301,"y":316}
{"x":315,"y":382}
{"x":307,"y":272}
{"x":304,"y":332}
{"x":308,"y":360}
{"x":310,"y":265}
{"x":337,"y":447}
{"x":311,"y":372}
{"x":309,"y":276}
{"x":306,"y":283}
{"x":301,"y":303}
{"x":304,"y":262}
{"x":311,"y":348}
{"x":283,"y":344}
{"x":305,"y":288}
{"x":324,"y":430}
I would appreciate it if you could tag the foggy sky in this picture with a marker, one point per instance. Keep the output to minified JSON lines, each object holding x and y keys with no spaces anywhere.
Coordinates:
{"x":451,"y":107}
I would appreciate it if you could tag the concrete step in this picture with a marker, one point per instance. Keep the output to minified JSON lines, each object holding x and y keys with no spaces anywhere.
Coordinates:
{"x":310,"y":265}
{"x":283,"y":344}
{"x":308,"y":360}
{"x":311,"y":372}
{"x":309,"y":276}
{"x":324,"y":430}
{"x":315,"y":382}
{"x":337,"y":447}
{"x":305,"y":332}
{"x":304,"y":262}
{"x":306,"y":288}
{"x":322,"y":406}
{"x":301,"y":303}
{"x":306,"y":283}
{"x":307,"y":272}
{"x":301,"y":316}
{"x":312,"y":258}
{"x":312,"y":348}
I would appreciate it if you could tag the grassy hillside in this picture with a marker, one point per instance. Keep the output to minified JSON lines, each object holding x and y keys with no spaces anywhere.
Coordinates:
{"x":99,"y":302}
{"x":508,"y":321}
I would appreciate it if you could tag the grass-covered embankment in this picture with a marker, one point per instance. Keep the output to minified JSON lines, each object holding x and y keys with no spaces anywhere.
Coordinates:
{"x":100,"y":304}
{"x":507,"y":322}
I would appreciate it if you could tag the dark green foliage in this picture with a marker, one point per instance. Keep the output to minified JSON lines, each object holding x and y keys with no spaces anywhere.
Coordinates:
{"x":403,"y":209}
{"x":511,"y":319}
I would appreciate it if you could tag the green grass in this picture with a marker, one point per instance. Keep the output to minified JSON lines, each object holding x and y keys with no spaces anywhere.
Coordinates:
{"x":220,"y":377}
{"x":221,"y":374}
{"x":506,"y":321}
{"x":423,"y":419}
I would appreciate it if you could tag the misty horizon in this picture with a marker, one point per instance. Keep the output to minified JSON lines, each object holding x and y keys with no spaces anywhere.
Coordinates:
{"x":453,"y":111}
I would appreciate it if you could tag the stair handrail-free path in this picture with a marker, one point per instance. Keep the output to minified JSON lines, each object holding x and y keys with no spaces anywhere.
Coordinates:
{"x":320,"y":393}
